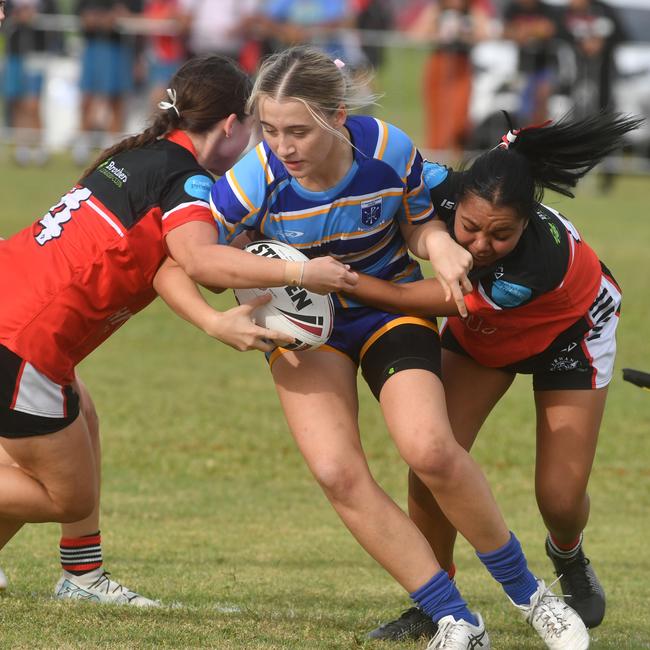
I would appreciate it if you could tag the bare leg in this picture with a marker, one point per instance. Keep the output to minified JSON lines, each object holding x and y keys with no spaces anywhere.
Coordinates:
{"x":90,"y":524}
{"x":52,"y":479}
{"x":466,"y":417}
{"x":414,"y":407}
{"x":319,"y":397}
{"x":568,"y":423}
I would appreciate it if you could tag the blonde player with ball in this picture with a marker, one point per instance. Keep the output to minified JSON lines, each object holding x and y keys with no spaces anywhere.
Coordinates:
{"x":352,"y":187}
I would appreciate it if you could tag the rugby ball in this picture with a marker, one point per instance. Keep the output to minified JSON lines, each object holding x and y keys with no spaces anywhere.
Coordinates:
{"x":307,"y":316}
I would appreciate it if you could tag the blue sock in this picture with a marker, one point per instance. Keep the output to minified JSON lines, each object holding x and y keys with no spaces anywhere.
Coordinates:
{"x":439,"y":597}
{"x":508,"y":566}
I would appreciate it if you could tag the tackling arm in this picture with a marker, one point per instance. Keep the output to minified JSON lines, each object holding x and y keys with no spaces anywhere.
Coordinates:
{"x":195,"y":248}
{"x":234,"y":327}
{"x":424,"y":297}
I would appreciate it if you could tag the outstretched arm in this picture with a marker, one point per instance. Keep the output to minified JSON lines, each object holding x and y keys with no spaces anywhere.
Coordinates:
{"x":424,"y":297}
{"x":195,"y":248}
{"x":234,"y":327}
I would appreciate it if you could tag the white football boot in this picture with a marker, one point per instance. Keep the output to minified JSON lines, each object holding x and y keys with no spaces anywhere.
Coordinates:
{"x":459,"y":635}
{"x":557,"y":624}
{"x":97,"y":587}
{"x":4,"y":583}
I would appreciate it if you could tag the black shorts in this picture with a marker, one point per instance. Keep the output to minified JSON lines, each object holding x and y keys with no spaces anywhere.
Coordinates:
{"x":382,"y":344}
{"x":582,"y":357}
{"x":407,"y":346}
{"x":30,"y":403}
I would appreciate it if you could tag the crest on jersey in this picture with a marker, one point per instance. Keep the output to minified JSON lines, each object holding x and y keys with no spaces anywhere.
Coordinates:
{"x":370,"y":211}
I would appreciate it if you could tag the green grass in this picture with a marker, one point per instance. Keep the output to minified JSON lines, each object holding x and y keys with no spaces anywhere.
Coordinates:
{"x":207,"y":504}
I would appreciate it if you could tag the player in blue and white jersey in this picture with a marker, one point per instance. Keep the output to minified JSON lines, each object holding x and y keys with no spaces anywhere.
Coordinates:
{"x":352,"y":188}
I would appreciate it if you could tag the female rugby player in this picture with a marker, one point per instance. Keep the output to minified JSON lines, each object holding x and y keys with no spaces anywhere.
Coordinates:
{"x":542,"y":304}
{"x":352,"y":187}
{"x":76,"y":275}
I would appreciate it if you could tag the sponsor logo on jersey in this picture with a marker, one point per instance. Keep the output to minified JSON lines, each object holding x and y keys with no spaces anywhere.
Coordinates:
{"x":509,"y":294}
{"x":433,"y":174}
{"x":555,"y":233}
{"x":370,"y":211}
{"x":198,"y":186}
{"x":114,"y":173}
{"x":564,"y":364}
{"x":293,"y":234}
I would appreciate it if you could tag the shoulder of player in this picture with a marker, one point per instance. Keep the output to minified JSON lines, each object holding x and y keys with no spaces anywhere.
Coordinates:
{"x":250,"y":181}
{"x":442,"y":183}
{"x":173,"y":166}
{"x":550,"y":228}
{"x":380,"y":140}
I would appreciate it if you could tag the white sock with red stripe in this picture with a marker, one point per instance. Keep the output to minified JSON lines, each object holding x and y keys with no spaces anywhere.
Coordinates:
{"x":80,"y":555}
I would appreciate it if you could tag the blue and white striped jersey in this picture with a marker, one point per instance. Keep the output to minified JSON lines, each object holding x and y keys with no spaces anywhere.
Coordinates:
{"x":357,"y":221}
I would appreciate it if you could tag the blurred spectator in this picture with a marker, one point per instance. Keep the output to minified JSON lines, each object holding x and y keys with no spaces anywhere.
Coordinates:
{"x":2,"y":11}
{"x":317,"y":22}
{"x":453,"y":26}
{"x":165,"y":52}
{"x":593,"y":30}
{"x":373,"y":15}
{"x":532,"y":25}
{"x":107,"y":78}
{"x":217,"y":26}
{"x":27,"y":49}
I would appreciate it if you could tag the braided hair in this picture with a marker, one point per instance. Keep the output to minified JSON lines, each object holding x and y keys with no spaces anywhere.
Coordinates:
{"x":206,"y":89}
{"x":552,"y":156}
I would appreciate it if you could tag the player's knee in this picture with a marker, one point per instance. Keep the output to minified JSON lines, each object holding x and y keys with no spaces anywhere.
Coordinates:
{"x":76,"y":506}
{"x":561,"y":505}
{"x":433,"y":460}
{"x":338,"y":479}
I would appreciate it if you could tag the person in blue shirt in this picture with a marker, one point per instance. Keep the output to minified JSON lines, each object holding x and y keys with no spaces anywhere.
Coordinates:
{"x":352,"y":187}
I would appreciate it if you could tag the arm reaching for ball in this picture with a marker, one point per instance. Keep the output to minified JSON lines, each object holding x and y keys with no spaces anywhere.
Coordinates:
{"x":234,"y":327}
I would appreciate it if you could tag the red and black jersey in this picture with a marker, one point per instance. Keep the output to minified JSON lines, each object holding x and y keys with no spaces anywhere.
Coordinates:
{"x":521,"y":304}
{"x":75,"y":275}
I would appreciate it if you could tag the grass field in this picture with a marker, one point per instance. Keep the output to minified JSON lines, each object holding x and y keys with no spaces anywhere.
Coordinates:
{"x":207,"y":504}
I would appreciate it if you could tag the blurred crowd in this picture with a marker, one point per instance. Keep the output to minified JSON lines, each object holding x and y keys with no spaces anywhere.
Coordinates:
{"x":129,"y":45}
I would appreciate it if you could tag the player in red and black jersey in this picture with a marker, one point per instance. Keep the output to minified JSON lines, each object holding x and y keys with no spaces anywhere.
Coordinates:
{"x":93,"y":260}
{"x":539,"y":302}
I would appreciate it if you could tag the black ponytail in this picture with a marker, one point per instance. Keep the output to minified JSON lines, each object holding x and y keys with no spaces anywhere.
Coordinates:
{"x":553,"y":156}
